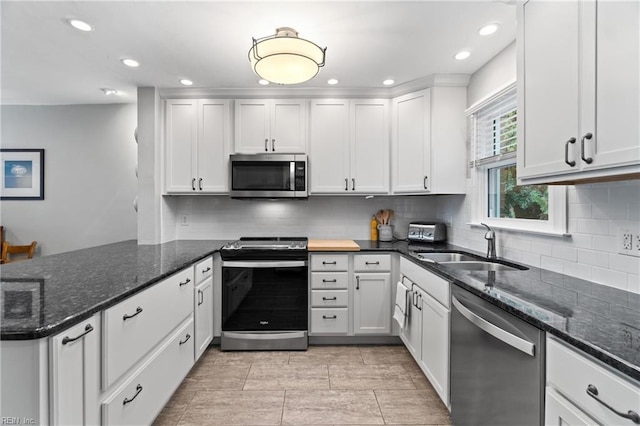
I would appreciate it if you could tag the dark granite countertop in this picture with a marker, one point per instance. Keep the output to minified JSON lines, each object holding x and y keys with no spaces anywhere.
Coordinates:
{"x":49,"y":294}
{"x":600,"y":320}
{"x":66,"y":288}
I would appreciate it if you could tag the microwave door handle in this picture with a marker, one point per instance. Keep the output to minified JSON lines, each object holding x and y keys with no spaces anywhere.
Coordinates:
{"x":292,"y":175}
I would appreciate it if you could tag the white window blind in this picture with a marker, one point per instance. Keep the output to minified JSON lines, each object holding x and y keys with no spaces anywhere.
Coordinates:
{"x":495,"y":129}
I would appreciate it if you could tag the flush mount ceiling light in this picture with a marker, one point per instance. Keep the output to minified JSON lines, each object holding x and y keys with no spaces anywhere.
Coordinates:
{"x":80,"y":25}
{"x":131,"y":62}
{"x":109,"y":92}
{"x":284,"y":58}
{"x":388,"y":82}
{"x":488,"y":29}
{"x":462,"y":55}
{"x":333,"y":81}
{"x":186,"y":82}
{"x":263,"y":82}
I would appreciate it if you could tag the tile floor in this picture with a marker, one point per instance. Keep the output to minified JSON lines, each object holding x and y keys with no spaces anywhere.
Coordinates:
{"x":326,"y":385}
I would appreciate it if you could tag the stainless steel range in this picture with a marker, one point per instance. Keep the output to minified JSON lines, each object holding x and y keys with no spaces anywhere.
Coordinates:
{"x":265,"y":294}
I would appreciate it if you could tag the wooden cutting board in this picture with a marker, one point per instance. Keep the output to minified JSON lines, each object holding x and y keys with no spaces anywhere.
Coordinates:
{"x":332,"y":245}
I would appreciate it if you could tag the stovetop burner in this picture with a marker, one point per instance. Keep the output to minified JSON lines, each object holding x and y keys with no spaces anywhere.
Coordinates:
{"x":266,"y":248}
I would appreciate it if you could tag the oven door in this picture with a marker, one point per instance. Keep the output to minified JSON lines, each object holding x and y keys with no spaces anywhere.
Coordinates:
{"x":264,"y":305}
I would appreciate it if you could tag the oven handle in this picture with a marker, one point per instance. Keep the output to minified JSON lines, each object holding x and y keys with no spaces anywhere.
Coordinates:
{"x":264,"y":264}
{"x":264,"y":336}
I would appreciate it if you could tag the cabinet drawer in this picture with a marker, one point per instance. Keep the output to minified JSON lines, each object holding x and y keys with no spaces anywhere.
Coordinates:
{"x":371,"y":262}
{"x":571,"y":373}
{"x":133,"y":327}
{"x":320,"y":280}
{"x":437,"y":287}
{"x":204,"y":269}
{"x":329,"y":262}
{"x":329,"y":298}
{"x":329,"y":321}
{"x":151,"y":386}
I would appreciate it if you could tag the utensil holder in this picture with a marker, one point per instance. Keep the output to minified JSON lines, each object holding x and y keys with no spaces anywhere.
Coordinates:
{"x":385,"y":232}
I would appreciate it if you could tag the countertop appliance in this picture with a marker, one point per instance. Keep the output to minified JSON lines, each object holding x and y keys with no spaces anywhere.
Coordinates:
{"x":497,"y":365}
{"x":265,"y":294}
{"x":427,"y":232}
{"x":268,"y":176}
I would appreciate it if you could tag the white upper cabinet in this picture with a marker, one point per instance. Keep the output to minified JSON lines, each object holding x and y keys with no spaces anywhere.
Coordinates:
{"x":197,"y":143}
{"x":428,"y":134}
{"x":268,"y":125}
{"x":578,"y":89}
{"x":349,"y":147}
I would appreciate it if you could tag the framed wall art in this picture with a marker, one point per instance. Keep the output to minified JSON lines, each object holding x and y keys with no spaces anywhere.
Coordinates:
{"x":22,"y":174}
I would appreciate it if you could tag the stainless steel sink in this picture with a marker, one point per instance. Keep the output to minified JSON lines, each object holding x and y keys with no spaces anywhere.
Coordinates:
{"x":444,"y":257}
{"x":480,"y":266}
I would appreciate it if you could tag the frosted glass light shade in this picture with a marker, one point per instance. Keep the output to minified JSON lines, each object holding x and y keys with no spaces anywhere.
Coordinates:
{"x":286,"y":59}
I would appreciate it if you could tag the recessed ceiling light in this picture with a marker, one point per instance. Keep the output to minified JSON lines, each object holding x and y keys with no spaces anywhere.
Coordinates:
{"x":263,"y":82}
{"x":333,"y":81}
{"x":388,"y":82}
{"x":488,"y":29}
{"x":79,"y":25}
{"x":109,"y":92}
{"x":462,"y":55}
{"x":186,"y":82}
{"x":131,"y":62}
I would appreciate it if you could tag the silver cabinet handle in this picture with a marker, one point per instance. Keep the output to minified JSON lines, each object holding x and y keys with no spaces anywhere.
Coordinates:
{"x":193,"y":184}
{"x":128,"y":400}
{"x":329,"y":281}
{"x":424,"y":182}
{"x":200,"y":184}
{"x":508,"y":338}
{"x":329,"y":317}
{"x":357,"y":282}
{"x":566,"y":152}
{"x":127,"y":316}
{"x":324,"y":262}
{"x":329,"y":298}
{"x":266,"y":144}
{"x":587,"y":160}
{"x":273,"y":144}
{"x":346,"y":184}
{"x":88,"y":329}
{"x":353,"y":184}
{"x":372,"y":263}
{"x":187,"y":281}
{"x":592,"y":391}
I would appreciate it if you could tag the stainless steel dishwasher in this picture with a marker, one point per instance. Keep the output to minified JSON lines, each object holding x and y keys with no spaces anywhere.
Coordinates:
{"x":497,"y":365}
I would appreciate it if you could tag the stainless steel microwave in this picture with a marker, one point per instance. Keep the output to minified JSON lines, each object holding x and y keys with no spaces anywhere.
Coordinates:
{"x":268,"y":176}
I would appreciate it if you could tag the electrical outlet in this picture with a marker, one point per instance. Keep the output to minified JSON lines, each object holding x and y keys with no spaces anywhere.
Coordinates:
{"x":184,"y":220}
{"x":628,"y":241}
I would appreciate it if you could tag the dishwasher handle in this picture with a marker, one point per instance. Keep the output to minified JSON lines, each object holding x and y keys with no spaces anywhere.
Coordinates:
{"x":508,"y":338}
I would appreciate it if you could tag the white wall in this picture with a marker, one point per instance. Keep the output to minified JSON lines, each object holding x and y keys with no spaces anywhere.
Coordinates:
{"x":90,"y":182}
{"x":595,"y":212}
{"x":220,"y":217}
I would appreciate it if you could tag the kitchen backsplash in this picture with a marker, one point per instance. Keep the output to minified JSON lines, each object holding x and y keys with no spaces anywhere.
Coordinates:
{"x":220,"y":217}
{"x":595,"y":212}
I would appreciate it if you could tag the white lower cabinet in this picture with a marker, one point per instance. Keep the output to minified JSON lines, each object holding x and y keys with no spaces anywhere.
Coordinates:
{"x":203,"y":312}
{"x":371,"y":307}
{"x":139,"y":400}
{"x":75,"y":374}
{"x":585,"y":390}
{"x":426,"y":330}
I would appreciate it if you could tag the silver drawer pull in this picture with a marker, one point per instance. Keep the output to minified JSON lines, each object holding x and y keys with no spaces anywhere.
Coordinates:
{"x":329,"y":298}
{"x":329,"y":281}
{"x":128,"y":400}
{"x":592,"y":391}
{"x":328,"y":263}
{"x":182,"y":342}
{"x":329,"y":317}
{"x":371,"y":263}
{"x":186,"y":282}
{"x":127,"y":316}
{"x":88,"y":329}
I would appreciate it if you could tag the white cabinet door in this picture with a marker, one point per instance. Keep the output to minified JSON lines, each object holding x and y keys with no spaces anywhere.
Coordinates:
{"x":329,"y":146}
{"x":180,"y":139}
{"x":434,"y":359}
{"x":617,"y":140}
{"x":203,"y":312}
{"x":369,"y":155}
{"x":252,"y":126}
{"x":75,"y":374}
{"x":372,"y":308}
{"x":266,"y":125}
{"x":289,"y":126}
{"x":411,"y":334}
{"x":411,"y":142}
{"x":214,"y":146}
{"x":560,"y":412}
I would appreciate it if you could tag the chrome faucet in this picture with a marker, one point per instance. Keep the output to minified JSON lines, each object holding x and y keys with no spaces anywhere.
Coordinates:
{"x":490,"y":236}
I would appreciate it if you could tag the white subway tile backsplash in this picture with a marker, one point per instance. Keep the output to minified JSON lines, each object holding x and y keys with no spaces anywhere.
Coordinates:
{"x":610,"y":277}
{"x":577,"y":270}
{"x":564,"y":252}
{"x":624,"y":263}
{"x":593,"y":226}
{"x":581,"y":211}
{"x":634,"y":283}
{"x":593,"y":258}
{"x":552,"y":264}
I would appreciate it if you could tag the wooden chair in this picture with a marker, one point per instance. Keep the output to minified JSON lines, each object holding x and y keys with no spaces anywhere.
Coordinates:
{"x":8,"y":249}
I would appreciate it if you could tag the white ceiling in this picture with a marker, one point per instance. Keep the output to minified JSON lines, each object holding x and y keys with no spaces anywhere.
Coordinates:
{"x":45,"y":61}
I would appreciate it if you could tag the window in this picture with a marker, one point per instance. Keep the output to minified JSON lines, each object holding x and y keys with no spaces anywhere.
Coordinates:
{"x":499,"y":200}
